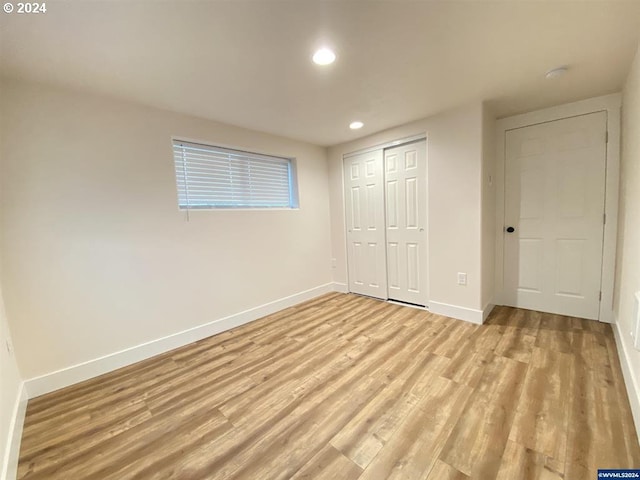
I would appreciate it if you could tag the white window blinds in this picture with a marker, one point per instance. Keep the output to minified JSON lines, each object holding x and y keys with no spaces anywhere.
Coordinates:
{"x":216,"y":177}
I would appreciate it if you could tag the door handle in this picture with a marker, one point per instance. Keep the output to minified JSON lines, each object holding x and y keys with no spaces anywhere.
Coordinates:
{"x":510,"y":229}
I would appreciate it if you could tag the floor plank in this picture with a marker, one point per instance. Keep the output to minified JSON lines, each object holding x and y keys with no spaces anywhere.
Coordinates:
{"x":543,"y":410}
{"x":328,"y":464}
{"x":478,"y":439}
{"x":347,"y":387}
{"x":442,"y":471}
{"x":525,"y":464}
{"x":413,"y":449}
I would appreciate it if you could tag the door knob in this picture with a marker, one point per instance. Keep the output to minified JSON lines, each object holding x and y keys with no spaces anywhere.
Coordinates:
{"x":510,"y":229}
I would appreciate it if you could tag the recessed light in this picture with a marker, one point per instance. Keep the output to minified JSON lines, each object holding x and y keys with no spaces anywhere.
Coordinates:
{"x":556,"y":72}
{"x":324,"y":56}
{"x":356,"y":125}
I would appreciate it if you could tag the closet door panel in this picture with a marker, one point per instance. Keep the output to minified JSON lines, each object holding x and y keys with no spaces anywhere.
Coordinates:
{"x":365,"y":218}
{"x":406,"y":195}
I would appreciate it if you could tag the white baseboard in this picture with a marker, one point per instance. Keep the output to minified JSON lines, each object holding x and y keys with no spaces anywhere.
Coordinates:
{"x":340,"y":287}
{"x":486,"y":311}
{"x":633,"y":389}
{"x":10,"y":461}
{"x":459,"y":313}
{"x":606,"y":315}
{"x":98,"y":366}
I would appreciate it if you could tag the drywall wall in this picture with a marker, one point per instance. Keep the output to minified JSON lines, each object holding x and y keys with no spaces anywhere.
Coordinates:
{"x":11,"y":388}
{"x":628,"y":257}
{"x":488,"y":209}
{"x":454,"y":159}
{"x":10,"y":398}
{"x":97,"y":256}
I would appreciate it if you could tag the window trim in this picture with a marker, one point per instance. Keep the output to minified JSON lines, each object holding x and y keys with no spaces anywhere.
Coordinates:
{"x":294,"y":197}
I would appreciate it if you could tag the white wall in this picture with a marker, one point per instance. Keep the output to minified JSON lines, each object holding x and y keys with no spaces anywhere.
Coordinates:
{"x":488,"y":208}
{"x":97,"y":256}
{"x":454,"y":157}
{"x":10,"y":391}
{"x":628,"y":259}
{"x":11,"y":387}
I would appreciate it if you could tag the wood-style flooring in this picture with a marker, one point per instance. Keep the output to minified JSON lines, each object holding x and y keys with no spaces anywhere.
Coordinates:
{"x":347,"y":387}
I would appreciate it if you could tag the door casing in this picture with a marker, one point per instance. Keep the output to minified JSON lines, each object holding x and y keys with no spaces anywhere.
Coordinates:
{"x":611,"y":105}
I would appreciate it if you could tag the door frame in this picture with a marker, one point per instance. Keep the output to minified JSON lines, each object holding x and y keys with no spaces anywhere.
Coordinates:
{"x":382,"y":146}
{"x":610,"y":104}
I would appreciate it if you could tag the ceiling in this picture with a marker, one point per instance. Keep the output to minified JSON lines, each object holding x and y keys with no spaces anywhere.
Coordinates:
{"x":248,"y":63}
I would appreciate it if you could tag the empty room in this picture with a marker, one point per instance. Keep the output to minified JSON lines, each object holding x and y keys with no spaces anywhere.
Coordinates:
{"x":329,"y":240}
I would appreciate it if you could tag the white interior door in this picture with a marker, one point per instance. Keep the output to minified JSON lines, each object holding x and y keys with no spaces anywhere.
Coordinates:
{"x":554,"y":201}
{"x":406,"y":220}
{"x":364,"y":196}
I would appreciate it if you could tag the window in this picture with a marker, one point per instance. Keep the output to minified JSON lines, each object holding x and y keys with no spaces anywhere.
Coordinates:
{"x":216,"y":177}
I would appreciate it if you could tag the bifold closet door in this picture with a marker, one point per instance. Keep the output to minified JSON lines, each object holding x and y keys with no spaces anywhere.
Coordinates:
{"x":364,"y":198}
{"x":405,"y":173}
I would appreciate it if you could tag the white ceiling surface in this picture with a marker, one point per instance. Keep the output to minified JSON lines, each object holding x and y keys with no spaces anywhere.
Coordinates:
{"x":248,"y":63}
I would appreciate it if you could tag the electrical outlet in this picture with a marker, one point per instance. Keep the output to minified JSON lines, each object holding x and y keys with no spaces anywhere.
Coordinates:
{"x":462,"y":278}
{"x":334,"y":263}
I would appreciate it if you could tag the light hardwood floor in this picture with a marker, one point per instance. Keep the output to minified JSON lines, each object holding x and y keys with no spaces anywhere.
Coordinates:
{"x":346,"y":387}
